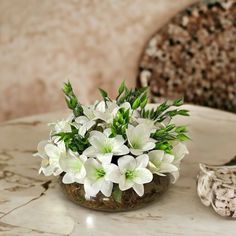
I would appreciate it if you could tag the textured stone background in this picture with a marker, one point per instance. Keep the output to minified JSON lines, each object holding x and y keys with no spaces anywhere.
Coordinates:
{"x":92,"y":43}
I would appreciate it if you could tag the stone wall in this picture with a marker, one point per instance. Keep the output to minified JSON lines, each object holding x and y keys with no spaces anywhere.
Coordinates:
{"x":92,"y":43}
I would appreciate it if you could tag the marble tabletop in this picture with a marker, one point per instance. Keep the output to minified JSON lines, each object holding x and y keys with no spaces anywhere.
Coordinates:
{"x":32,"y":204}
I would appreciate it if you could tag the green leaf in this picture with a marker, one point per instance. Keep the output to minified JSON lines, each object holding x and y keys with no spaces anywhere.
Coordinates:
{"x":130,"y":95}
{"x":178,"y":102}
{"x":170,"y":127}
{"x":182,"y":137}
{"x":103,"y":93}
{"x":181,"y":129}
{"x":122,"y":87}
{"x":183,"y":112}
{"x":117,"y":193}
{"x":165,"y":146}
{"x":136,"y":103}
{"x":71,"y":100}
{"x":73,"y":140}
{"x":144,"y":103}
{"x":120,"y":122}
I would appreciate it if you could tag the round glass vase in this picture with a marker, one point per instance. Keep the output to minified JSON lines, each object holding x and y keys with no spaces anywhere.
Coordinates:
{"x":118,"y":201}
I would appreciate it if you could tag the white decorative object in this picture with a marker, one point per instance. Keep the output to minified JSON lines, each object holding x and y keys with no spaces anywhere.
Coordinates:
{"x":216,"y":187}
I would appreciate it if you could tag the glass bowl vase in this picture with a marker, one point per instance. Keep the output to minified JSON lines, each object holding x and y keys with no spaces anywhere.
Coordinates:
{"x":120,"y":201}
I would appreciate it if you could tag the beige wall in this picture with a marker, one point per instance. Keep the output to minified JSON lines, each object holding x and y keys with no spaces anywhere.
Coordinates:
{"x":93,"y":43}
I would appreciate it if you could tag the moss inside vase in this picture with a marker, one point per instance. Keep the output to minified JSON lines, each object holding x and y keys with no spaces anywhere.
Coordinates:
{"x":118,"y":201}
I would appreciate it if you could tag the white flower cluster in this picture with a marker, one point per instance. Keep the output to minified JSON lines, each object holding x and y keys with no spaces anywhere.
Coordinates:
{"x":128,"y":160}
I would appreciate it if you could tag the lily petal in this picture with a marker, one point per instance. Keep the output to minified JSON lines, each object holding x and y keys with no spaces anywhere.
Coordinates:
{"x":142,"y":160}
{"x":174,"y":176}
{"x":136,"y":152}
{"x":143,"y":176}
{"x":52,"y":151}
{"x":91,"y":165}
{"x":156,"y":156}
{"x":180,"y":150}
{"x":68,"y":178}
{"x":118,"y":140}
{"x":148,"y":146}
{"x":105,"y":158}
{"x":89,"y":190}
{"x":41,"y":149}
{"x":167,"y":168}
{"x":113,"y":173}
{"x":90,"y":151}
{"x":125,"y":184}
{"x":81,"y":120}
{"x":139,"y":189}
{"x":169,"y":158}
{"x":106,"y":188}
{"x":126,"y":163}
{"x":123,"y":150}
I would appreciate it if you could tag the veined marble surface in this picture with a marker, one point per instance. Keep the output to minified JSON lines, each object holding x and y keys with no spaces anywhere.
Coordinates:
{"x":31,"y":204}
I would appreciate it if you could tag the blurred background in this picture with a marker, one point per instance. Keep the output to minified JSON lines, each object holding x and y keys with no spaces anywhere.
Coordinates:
{"x":178,"y":47}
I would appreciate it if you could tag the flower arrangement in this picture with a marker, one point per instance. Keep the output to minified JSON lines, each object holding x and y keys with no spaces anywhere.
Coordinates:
{"x":115,"y":145}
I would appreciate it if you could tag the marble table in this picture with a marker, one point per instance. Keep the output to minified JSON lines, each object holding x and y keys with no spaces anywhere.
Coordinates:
{"x":32,"y":204}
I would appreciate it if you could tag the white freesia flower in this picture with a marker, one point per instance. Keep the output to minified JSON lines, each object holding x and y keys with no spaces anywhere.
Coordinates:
{"x":73,"y":166}
{"x":97,"y":178}
{"x":131,"y":173}
{"x":51,"y":155}
{"x":104,"y":147}
{"x":161,"y":162}
{"x":139,"y":139}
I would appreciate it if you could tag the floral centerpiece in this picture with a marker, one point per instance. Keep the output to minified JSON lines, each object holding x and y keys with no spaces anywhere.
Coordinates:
{"x":115,"y":154}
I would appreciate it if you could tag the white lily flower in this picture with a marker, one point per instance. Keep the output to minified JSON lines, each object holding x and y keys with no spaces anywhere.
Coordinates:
{"x":84,"y":124}
{"x":139,"y":139}
{"x":179,"y":151}
{"x":89,"y":112}
{"x":104,"y":147}
{"x":97,"y":179}
{"x":62,"y":125}
{"x":51,"y":155}
{"x":131,"y":173}
{"x":73,"y":166}
{"x":148,"y":122}
{"x":45,"y":167}
{"x":161,"y":162}
{"x":106,"y":111}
